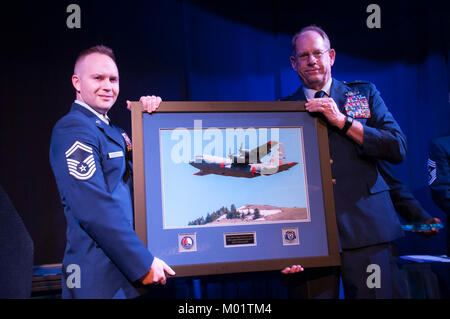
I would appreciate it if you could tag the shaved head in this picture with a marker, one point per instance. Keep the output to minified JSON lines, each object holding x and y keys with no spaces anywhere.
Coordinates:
{"x":95,"y":49}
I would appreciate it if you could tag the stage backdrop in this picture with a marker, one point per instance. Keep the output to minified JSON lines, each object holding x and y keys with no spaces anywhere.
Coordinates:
{"x":199,"y":50}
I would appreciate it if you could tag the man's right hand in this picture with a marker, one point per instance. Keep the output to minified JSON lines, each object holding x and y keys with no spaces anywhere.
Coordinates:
{"x":157,"y":273}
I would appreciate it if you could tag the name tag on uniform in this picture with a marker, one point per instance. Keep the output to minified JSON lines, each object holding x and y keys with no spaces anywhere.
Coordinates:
{"x":115,"y":154}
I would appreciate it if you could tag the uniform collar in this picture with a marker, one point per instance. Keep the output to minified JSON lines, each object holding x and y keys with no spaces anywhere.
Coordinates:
{"x":110,"y":130}
{"x":309,"y":93}
{"x":104,"y":118}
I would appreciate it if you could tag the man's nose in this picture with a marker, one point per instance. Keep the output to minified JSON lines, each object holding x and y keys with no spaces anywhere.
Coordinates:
{"x":312,"y":59}
{"x":106,"y":85}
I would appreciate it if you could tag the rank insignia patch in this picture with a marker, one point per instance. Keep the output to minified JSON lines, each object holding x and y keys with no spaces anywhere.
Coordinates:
{"x":357,"y":106}
{"x":431,"y":171}
{"x":80,"y":161}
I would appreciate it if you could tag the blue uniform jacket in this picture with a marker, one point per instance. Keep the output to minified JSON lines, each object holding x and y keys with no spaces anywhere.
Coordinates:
{"x":88,"y":158}
{"x":439,"y":169}
{"x":406,"y":205}
{"x":364,"y":210}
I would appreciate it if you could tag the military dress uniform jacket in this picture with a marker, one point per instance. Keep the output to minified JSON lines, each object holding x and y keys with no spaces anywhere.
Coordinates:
{"x":89,"y":161}
{"x":439,"y":170}
{"x":364,"y":211}
{"x":406,"y":205}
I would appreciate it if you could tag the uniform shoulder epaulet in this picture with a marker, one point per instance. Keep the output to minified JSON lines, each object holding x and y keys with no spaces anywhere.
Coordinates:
{"x":359,"y":82}
{"x":292,"y":96}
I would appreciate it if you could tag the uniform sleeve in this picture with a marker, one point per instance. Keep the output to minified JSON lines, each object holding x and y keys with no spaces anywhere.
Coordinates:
{"x":383,"y":137}
{"x":93,"y":206}
{"x":404,"y":202}
{"x":440,"y":179}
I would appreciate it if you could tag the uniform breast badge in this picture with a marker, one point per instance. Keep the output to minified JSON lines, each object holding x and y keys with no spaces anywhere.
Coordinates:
{"x":127,"y":141}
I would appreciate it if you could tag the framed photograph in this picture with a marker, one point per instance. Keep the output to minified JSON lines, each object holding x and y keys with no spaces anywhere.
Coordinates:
{"x":223,"y":187}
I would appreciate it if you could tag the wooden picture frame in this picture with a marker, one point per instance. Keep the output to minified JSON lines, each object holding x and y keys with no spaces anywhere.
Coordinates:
{"x":317,"y":238}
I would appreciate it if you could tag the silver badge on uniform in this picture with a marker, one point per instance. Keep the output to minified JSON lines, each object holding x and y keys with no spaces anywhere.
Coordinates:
{"x":80,"y":161}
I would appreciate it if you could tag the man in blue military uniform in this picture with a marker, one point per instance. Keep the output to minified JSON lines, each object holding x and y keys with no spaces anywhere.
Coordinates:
{"x":406,"y":205}
{"x":439,"y":172}
{"x":361,"y":131}
{"x":439,"y":176}
{"x":90,"y":158}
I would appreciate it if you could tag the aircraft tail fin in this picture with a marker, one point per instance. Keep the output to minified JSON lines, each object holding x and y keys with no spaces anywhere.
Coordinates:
{"x":278,"y":155}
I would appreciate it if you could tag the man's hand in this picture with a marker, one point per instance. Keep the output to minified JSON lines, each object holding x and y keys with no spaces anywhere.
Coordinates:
{"x":327,"y":106}
{"x":292,"y":270}
{"x":150,"y":103}
{"x":157,"y":273}
{"x":433,"y":231}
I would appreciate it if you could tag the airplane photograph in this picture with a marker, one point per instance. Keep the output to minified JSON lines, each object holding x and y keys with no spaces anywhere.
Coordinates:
{"x":246,"y":164}
{"x":209,"y":179}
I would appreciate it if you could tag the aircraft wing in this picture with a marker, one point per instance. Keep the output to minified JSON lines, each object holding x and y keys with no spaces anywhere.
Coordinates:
{"x":285,"y":167}
{"x":259,"y":152}
{"x":202,"y":173}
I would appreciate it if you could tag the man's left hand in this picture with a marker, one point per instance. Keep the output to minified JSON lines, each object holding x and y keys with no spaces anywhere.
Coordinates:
{"x":433,"y":231}
{"x":150,"y":103}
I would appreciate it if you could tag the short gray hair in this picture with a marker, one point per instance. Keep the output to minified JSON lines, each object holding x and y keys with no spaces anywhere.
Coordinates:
{"x":306,"y":29}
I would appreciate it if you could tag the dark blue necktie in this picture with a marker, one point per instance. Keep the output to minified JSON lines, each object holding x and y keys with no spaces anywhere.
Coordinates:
{"x":319,"y":94}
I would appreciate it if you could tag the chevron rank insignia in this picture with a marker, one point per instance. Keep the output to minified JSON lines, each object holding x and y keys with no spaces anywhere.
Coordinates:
{"x":80,"y":161}
{"x":431,"y":167}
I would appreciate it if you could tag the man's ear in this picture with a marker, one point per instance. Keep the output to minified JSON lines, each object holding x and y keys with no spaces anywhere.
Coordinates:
{"x":76,"y":83}
{"x":293,"y":63}
{"x":332,"y":55}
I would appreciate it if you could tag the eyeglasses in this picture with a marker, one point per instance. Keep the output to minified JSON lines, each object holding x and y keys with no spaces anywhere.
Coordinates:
{"x":316,"y":54}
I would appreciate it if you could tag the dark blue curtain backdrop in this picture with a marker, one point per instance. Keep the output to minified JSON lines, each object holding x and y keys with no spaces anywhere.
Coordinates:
{"x":216,"y":51}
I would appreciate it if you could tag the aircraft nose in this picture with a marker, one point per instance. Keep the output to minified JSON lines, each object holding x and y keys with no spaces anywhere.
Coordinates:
{"x":193,"y":163}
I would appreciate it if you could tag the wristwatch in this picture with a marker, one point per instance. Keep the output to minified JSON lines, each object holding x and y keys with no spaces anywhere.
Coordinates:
{"x":348,"y":123}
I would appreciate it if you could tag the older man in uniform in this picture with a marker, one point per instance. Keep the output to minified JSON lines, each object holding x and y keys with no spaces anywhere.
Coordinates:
{"x":90,"y":158}
{"x":361,"y":131}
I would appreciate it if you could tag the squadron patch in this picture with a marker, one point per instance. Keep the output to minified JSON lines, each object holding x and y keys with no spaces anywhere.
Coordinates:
{"x":357,"y":106}
{"x":431,"y":167}
{"x":290,"y":236}
{"x":80,"y":161}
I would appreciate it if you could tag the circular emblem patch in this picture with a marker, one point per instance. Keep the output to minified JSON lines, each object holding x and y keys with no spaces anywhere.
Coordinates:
{"x":187,"y":242}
